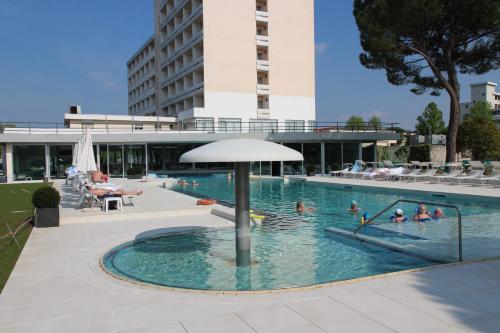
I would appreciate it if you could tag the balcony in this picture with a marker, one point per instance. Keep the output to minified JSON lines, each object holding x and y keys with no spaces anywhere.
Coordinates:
{"x":263,"y":65}
{"x":263,"y":89}
{"x":262,"y":40}
{"x":263,"y":114}
{"x":261,"y":16}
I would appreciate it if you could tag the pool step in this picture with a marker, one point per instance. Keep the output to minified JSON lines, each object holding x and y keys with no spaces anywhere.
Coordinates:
{"x":408,"y":249}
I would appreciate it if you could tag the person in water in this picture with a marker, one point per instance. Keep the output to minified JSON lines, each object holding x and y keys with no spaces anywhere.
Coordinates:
{"x":398,"y":216}
{"x":194,"y":183}
{"x":300,"y":208}
{"x":422,"y":214}
{"x":438,"y":214}
{"x":354,"y":207}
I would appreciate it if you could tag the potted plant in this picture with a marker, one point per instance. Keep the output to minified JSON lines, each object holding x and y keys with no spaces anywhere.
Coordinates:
{"x":135,"y":172}
{"x":46,"y":200}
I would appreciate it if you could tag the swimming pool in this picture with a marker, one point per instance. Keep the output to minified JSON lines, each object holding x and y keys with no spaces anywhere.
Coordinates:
{"x":294,"y":250}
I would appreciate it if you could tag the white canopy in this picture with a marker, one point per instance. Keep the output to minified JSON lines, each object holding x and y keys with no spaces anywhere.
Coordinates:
{"x":86,"y":159}
{"x":241,"y":150}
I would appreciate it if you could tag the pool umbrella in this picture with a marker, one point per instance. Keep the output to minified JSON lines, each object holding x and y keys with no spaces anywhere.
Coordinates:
{"x":76,"y":152}
{"x":86,"y":160}
{"x":241,"y":152}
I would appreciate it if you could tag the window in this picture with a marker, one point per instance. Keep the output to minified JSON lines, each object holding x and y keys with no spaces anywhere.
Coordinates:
{"x":204,"y":124}
{"x":260,"y":125}
{"x":138,"y":126}
{"x":87,"y":125}
{"x":229,"y":125}
{"x":294,"y":126}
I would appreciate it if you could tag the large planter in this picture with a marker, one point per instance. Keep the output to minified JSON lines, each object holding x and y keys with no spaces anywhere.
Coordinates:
{"x":47,"y":217}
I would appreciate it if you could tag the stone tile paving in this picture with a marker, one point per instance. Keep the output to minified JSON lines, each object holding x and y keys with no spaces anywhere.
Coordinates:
{"x":58,"y":286}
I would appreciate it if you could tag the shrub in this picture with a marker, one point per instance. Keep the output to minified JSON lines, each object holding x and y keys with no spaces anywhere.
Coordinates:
{"x":46,"y":197}
{"x":420,"y":153}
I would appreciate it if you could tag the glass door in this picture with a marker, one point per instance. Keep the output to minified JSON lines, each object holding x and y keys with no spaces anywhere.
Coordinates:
{"x":115,"y":157}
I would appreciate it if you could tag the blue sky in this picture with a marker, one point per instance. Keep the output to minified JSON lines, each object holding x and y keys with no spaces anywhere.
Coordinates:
{"x":55,"y":52}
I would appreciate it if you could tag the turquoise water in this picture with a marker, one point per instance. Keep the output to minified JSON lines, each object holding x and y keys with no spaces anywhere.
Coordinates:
{"x":292,"y":249}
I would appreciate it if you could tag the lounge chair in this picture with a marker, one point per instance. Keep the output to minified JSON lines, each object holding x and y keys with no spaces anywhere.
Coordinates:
{"x":469,"y":176}
{"x":489,"y":179}
{"x":357,"y":169}
{"x":438,"y":178}
{"x":410,"y":173}
{"x":423,"y":175}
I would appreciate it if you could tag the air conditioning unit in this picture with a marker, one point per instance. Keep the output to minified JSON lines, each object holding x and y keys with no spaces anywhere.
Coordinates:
{"x":75,"y":109}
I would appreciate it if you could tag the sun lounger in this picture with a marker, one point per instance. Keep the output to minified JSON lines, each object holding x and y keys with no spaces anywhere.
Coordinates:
{"x":423,"y":176}
{"x":436,"y":179}
{"x":459,"y":179}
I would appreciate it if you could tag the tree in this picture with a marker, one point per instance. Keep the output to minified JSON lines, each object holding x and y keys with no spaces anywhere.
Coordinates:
{"x":355,"y":123}
{"x":426,"y":43}
{"x":478,"y":133}
{"x":431,"y":119}
{"x":375,"y":123}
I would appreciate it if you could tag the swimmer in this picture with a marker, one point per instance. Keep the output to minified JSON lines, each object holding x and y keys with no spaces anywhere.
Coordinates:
{"x":438,"y":214}
{"x":365,"y":218}
{"x":398,"y":216}
{"x":422,"y":214}
{"x":354,"y":207}
{"x":300,"y":208}
{"x":194,"y":183}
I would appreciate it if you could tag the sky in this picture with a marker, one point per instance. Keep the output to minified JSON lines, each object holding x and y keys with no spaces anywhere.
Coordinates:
{"x":55,"y":53}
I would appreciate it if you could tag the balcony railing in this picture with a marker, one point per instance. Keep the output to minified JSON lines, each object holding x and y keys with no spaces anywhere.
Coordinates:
{"x":101,"y":127}
{"x":262,"y":16}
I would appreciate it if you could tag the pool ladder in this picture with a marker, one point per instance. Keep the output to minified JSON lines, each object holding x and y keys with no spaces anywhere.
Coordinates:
{"x":459,"y":215}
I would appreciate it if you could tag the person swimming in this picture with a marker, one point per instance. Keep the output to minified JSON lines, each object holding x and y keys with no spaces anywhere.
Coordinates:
{"x":438,"y":214}
{"x":300,"y":208}
{"x":354,"y":207}
{"x":398,"y":216}
{"x":194,"y":183}
{"x":422,"y":214}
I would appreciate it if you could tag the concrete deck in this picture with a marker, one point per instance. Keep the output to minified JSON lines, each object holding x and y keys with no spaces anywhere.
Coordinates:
{"x":480,"y":191}
{"x":58,"y":286}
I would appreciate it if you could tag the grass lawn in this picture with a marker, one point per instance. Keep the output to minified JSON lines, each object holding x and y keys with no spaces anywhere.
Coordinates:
{"x":15,"y":207}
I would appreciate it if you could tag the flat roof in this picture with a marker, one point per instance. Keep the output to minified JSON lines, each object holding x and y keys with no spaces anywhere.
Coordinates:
{"x":102,"y":117}
{"x":143,"y":46}
{"x":176,"y":137}
{"x":487,"y":83}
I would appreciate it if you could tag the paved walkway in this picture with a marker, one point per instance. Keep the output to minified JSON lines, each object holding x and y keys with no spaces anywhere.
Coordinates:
{"x":57,"y":286}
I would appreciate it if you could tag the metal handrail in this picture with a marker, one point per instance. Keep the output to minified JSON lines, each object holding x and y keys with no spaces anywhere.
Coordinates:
{"x":459,"y":215}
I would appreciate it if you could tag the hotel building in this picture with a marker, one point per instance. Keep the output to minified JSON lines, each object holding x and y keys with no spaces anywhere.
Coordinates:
{"x":227,"y":65}
{"x":483,"y":92}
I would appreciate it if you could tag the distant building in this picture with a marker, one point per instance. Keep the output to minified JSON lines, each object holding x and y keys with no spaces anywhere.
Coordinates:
{"x":483,"y":92}
{"x":227,"y":64}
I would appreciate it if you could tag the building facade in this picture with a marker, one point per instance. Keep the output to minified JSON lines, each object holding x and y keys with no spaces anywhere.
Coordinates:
{"x":142,"y":80}
{"x":155,"y":144}
{"x":232,"y":65}
{"x":482,"y":92}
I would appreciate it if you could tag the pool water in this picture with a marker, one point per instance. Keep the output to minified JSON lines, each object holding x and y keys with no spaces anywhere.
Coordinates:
{"x":293,"y":250}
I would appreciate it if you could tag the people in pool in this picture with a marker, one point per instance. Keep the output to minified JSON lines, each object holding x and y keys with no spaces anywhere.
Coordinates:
{"x":422,"y":214}
{"x":300,"y":208}
{"x":398,"y":216}
{"x":354,"y":207}
{"x":438,"y":214}
{"x":194,"y":183}
{"x":365,"y":218}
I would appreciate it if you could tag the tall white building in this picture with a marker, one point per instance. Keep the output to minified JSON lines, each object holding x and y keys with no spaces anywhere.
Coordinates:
{"x":227,"y":64}
{"x":482,"y":92}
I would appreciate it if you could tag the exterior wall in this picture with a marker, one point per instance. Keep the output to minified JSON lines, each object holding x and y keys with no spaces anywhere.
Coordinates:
{"x":230,"y":47}
{"x":481,"y":92}
{"x":229,"y":70}
{"x":291,"y":50}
